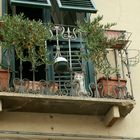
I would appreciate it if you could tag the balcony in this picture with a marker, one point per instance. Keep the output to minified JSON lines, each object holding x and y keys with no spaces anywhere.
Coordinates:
{"x":61,"y":95}
{"x":63,"y":104}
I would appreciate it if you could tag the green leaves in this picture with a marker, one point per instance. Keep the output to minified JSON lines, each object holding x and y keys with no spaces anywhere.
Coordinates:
{"x":27,"y":36}
{"x":97,"y":44}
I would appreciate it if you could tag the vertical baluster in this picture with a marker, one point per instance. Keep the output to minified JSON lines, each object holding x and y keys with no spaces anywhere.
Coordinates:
{"x":129,"y":73}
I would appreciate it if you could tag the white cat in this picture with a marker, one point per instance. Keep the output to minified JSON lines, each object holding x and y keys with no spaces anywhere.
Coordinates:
{"x":79,"y":81}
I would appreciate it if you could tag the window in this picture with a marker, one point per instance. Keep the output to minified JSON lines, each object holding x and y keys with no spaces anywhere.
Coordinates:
{"x":65,"y":12}
{"x":77,"y":62}
{"x":33,"y":9}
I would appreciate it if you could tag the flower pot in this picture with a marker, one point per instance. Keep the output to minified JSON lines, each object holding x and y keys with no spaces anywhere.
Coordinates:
{"x":112,"y":87}
{"x":1,"y":26}
{"x":120,"y":44}
{"x":34,"y":86}
{"x":24,"y":86}
{"x":120,"y":35}
{"x":4,"y":80}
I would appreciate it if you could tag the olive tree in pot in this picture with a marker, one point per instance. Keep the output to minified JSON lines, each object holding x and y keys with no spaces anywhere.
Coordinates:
{"x":97,"y":44}
{"x":7,"y":50}
{"x":28,"y":39}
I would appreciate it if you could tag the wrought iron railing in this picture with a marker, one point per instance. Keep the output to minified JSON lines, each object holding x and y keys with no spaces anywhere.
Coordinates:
{"x":67,"y":62}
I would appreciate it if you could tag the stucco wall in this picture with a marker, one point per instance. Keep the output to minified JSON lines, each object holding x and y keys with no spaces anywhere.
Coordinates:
{"x":61,"y":125}
{"x":126,"y":14}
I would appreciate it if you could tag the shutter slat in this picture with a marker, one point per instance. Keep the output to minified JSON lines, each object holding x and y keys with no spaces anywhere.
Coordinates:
{"x":65,"y":77}
{"x":78,"y":5}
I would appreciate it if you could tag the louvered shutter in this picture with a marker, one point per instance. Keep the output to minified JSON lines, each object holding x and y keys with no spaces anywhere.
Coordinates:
{"x":32,"y":3}
{"x":77,"y":5}
{"x":76,"y":64}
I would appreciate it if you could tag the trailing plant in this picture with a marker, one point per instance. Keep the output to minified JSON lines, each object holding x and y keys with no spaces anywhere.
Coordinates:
{"x":97,"y":44}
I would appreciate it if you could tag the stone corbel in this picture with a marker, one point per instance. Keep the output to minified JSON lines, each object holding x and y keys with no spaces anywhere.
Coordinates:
{"x":112,"y":116}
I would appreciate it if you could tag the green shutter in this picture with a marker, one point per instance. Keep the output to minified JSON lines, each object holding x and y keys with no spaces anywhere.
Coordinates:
{"x":77,"y":5}
{"x":65,"y":77}
{"x":32,"y":3}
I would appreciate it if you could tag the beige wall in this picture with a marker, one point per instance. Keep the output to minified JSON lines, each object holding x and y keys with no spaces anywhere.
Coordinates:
{"x":63,"y":124}
{"x":126,"y":14}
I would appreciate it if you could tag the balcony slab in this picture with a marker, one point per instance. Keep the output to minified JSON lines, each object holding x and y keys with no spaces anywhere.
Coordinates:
{"x":20,"y":102}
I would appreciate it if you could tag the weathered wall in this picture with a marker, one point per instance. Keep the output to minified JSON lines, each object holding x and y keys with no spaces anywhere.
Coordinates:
{"x":43,"y":124}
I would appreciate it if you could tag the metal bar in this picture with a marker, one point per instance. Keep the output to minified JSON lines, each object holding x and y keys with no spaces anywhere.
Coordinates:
{"x":129,"y":73}
{"x":9,"y":64}
{"x":21,"y":89}
{"x":46,"y":65}
{"x":122,"y":65}
{"x":70,"y":57}
{"x":69,"y":42}
{"x":116,"y":63}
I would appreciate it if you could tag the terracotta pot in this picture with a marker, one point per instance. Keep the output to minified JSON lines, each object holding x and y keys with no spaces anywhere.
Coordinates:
{"x":34,"y":86}
{"x":113,"y":87}
{"x":1,"y":26}
{"x":26,"y":86}
{"x":4,"y":79}
{"x":121,"y":44}
{"x":110,"y":34}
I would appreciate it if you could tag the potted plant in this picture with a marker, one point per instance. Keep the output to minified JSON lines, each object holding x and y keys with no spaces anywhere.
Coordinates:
{"x":122,"y":38}
{"x":27,"y":38}
{"x":6,"y":49}
{"x":97,"y":44}
{"x":4,"y":79}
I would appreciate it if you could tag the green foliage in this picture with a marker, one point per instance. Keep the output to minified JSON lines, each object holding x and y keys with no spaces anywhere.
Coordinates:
{"x":97,"y":44}
{"x":27,"y":37}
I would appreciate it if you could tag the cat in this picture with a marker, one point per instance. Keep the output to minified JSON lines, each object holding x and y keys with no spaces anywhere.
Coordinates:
{"x":79,"y":82}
